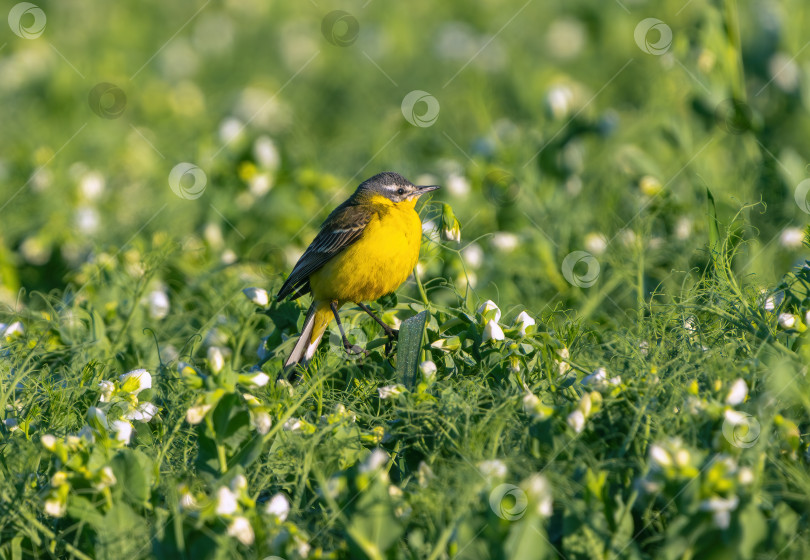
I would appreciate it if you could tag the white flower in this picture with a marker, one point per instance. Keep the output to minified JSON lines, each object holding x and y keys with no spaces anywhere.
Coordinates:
{"x":492,"y":331}
{"x":721,"y":509}
{"x":390,"y":391}
{"x":55,"y":507}
{"x":428,"y":369}
{"x":278,"y":506}
{"x":293,"y":425}
{"x":576,"y":420}
{"x":48,"y":442}
{"x":12,"y":424}
{"x":660,"y":456}
{"x":262,"y":422}
{"x":241,"y":529}
{"x":595,"y":243}
{"x":488,"y":310}
{"x":600,"y":379}
{"x":425,"y":474}
{"x":91,"y":185}
{"x":15,"y":328}
{"x":493,"y":468}
{"x":457,"y":184}
{"x":100,"y":417}
{"x":745,"y":475}
{"x":195,"y":414}
{"x":144,"y":412}
{"x":216,"y":359}
{"x":106,"y":478}
{"x":226,"y":501}
{"x":266,"y":153}
{"x":123,"y":430}
{"x":504,"y":241}
{"x":539,"y":491}
{"x":259,"y":379}
{"x":238,"y":483}
{"x":158,"y":304}
{"x":473,"y":255}
{"x":791,"y":238}
{"x":59,"y":478}
{"x":257,"y":296}
{"x":187,"y":499}
{"x":682,"y":457}
{"x":735,"y":418}
{"x":737,"y":393}
{"x":773,"y":301}
{"x":106,"y":388}
{"x":562,"y":363}
{"x":787,"y":320}
{"x":524,"y":321}
{"x":375,"y":461}
{"x":136,"y":381}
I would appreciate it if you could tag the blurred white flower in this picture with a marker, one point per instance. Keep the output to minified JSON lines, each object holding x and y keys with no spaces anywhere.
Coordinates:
{"x":492,"y":331}
{"x":493,"y":468}
{"x":258,"y":379}
{"x":735,"y":418}
{"x":791,"y":238}
{"x":566,"y":38}
{"x":55,"y":507}
{"x":473,"y":255}
{"x":737,"y":393}
{"x":106,"y":478}
{"x":122,"y":430}
{"x":158,"y":304}
{"x":136,"y":381}
{"x":773,"y":301}
{"x":266,"y":153}
{"x":596,"y":243}
{"x":538,"y":489}
{"x":505,"y":241}
{"x":390,"y":391}
{"x":425,"y":474}
{"x":106,"y":388}
{"x":458,"y":185}
{"x":48,"y":442}
{"x":226,"y":501}
{"x":787,"y":320}
{"x":524,"y":321}
{"x":428,"y":369}
{"x":216,"y":359}
{"x":87,"y":219}
{"x":230,"y":130}
{"x":683,"y":228}
{"x":97,"y":416}
{"x":650,"y":185}
{"x":241,"y":529}
{"x":262,"y":422}
{"x":279,"y":506}
{"x":745,"y":476}
{"x":91,"y":185}
{"x":599,"y":378}
{"x":12,"y":424}
{"x":784,"y":71}
{"x":260,"y":184}
{"x":559,"y":100}
{"x":187,"y":499}
{"x":721,"y":509}
{"x":576,"y":420}
{"x":660,"y":456}
{"x":562,"y":364}
{"x":239,"y":483}
{"x":375,"y":461}
{"x":59,"y":478}
{"x":12,"y":330}
{"x":293,"y":425}
{"x":195,"y":414}
{"x":144,"y":412}
{"x":257,"y":296}
{"x":488,"y":310}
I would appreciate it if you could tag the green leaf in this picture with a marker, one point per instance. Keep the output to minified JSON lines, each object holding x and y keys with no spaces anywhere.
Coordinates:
{"x":714,"y":232}
{"x":388,"y":302}
{"x":409,"y":347}
{"x":133,"y":471}
{"x":527,"y":539}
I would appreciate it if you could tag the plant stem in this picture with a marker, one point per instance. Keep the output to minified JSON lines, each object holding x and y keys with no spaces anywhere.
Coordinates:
{"x":422,"y":292}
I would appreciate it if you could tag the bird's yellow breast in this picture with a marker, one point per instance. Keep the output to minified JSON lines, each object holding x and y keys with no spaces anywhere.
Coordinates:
{"x":378,"y":262}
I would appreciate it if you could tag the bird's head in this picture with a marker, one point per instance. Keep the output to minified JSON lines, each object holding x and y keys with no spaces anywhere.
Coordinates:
{"x":391,"y":188}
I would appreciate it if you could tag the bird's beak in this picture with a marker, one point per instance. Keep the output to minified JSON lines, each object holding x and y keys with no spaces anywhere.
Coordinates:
{"x":427,"y":188}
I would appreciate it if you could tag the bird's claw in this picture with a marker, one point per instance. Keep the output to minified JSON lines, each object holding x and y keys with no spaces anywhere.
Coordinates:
{"x":393,"y":335}
{"x":354,"y":350}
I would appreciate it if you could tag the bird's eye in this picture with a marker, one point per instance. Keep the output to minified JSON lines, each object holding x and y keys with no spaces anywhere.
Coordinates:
{"x":400,"y":191}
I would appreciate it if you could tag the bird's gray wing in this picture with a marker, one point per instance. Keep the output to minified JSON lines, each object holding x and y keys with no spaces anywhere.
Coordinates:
{"x":343,"y":227}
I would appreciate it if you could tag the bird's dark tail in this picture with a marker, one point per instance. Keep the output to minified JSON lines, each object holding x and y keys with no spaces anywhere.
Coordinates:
{"x":318,"y":318}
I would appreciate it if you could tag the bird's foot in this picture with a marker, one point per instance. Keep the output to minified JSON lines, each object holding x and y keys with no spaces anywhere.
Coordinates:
{"x":393,"y":335}
{"x":353,"y":349}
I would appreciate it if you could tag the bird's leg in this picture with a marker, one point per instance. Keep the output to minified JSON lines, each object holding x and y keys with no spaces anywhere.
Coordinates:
{"x":391,"y":333}
{"x":350,"y":348}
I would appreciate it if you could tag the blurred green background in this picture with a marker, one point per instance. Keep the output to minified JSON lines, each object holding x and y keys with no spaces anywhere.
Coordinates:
{"x":561,"y":127}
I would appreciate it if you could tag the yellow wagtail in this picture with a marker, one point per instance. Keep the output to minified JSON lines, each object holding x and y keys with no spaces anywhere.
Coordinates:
{"x":365,"y":249}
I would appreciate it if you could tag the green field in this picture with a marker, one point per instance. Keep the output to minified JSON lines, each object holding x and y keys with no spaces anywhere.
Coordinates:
{"x":611,"y":362}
